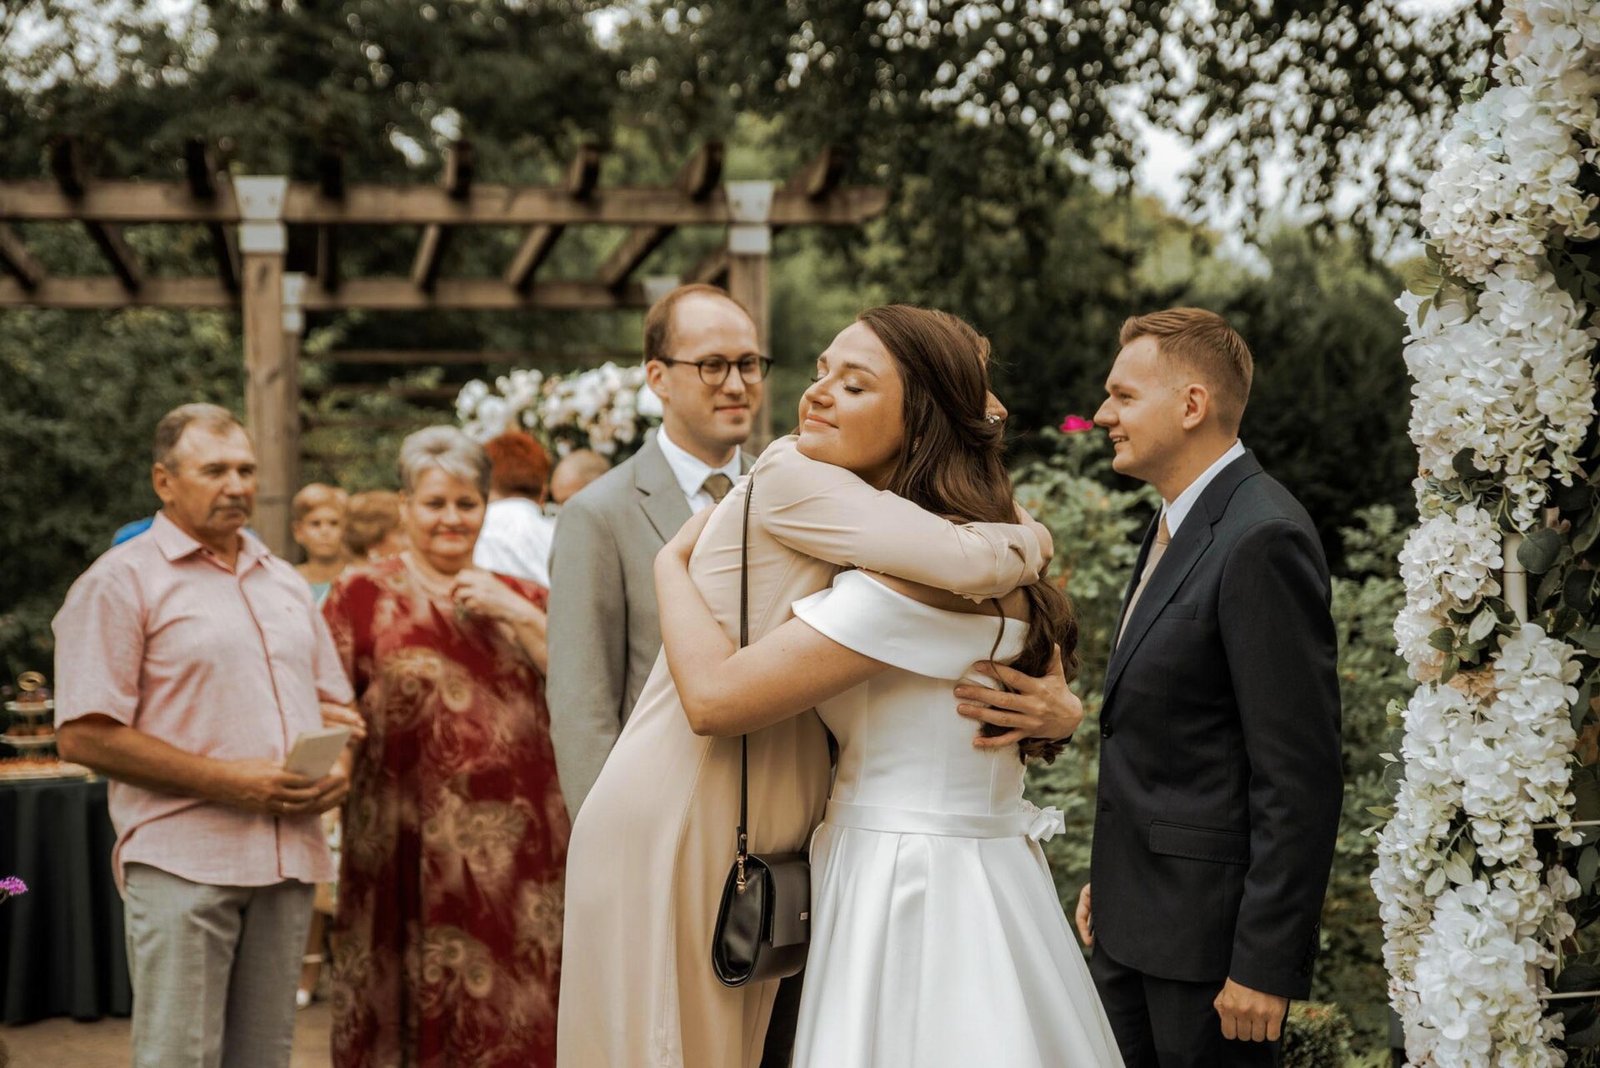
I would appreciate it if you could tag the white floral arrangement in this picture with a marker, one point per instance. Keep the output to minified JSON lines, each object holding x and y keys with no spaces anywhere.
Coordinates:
{"x":607,"y":409}
{"x":1503,"y":358}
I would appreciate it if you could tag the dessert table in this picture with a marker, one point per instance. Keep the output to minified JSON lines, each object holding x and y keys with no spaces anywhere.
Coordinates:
{"x":62,"y":951}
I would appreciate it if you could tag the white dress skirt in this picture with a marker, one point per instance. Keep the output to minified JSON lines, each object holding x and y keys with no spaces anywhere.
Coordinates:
{"x":937,"y":937}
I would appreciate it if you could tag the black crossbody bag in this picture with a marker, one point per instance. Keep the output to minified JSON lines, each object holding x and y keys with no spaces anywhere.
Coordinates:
{"x":764,"y":922}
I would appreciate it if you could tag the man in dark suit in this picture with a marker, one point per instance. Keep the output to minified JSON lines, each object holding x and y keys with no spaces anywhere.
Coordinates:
{"x":1220,"y":778}
{"x":703,"y":361}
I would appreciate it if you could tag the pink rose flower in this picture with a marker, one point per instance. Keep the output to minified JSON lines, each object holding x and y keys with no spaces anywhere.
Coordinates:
{"x":1076,"y":424}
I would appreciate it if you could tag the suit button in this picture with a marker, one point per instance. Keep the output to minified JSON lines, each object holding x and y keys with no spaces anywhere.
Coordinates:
{"x":1105,"y":732}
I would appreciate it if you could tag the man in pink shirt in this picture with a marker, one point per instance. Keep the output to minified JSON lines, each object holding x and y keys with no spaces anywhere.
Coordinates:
{"x":187,"y":661}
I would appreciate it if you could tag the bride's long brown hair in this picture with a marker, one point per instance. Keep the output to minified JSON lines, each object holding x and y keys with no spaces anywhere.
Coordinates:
{"x":952,"y":462}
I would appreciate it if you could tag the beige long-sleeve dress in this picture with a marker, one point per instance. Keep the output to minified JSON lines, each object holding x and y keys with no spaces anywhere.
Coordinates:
{"x":653,"y":841}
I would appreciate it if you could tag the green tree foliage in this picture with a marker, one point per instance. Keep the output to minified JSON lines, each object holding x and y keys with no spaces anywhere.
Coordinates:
{"x":1342,"y":88}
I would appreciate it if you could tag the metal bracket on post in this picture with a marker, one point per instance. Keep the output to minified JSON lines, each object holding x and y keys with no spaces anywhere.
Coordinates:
{"x":260,"y":202}
{"x":750,"y":204}
{"x":657,"y":286}
{"x":294,"y":294}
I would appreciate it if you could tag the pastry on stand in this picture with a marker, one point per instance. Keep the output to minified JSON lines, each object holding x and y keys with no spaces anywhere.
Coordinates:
{"x":28,"y":745}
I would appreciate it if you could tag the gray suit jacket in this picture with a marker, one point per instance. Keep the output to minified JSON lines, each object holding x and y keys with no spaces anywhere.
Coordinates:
{"x":604,"y":629}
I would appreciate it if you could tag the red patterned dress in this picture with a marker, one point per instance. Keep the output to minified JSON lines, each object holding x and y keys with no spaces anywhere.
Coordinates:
{"x":447,"y":942}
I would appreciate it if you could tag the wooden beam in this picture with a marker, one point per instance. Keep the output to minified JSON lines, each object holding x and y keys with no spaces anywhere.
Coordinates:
{"x":822,"y":175}
{"x":340,"y":390}
{"x":330,"y":180}
{"x":324,"y":422}
{"x":18,"y":261}
{"x":200,"y":168}
{"x":582,"y":177}
{"x":456,"y":180}
{"x":696,"y":179}
{"x":712,"y":270}
{"x":377,"y":205}
{"x":67,"y":166}
{"x":441,"y":357}
{"x":815,"y":181}
{"x":379,"y":294}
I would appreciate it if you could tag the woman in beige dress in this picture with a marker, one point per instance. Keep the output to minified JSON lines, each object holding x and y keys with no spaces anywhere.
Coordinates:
{"x":653,"y":842}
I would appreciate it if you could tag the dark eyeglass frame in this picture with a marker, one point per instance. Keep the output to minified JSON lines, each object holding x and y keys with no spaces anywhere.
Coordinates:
{"x":760,"y":364}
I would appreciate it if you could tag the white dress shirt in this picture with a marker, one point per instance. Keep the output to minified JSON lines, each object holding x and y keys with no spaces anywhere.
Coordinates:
{"x":692,"y":472}
{"x":515,"y":540}
{"x":1178,"y":509}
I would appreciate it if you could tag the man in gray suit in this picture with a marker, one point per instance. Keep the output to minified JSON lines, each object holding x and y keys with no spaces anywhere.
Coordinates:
{"x":703,"y":360}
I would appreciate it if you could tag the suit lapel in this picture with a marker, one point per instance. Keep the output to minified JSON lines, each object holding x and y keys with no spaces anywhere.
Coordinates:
{"x":658,"y":491}
{"x":1189,"y":544}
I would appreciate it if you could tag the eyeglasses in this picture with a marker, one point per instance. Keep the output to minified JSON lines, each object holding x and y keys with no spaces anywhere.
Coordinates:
{"x":714,"y":370}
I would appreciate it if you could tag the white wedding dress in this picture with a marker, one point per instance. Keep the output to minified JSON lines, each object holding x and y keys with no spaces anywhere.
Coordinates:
{"x":937,"y":938}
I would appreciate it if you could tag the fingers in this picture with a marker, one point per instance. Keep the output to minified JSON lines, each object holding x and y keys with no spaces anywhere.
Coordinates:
{"x":1000,"y":741}
{"x":1056,"y":667}
{"x":980,"y":696}
{"x":1011,"y":677}
{"x":1084,"y":918}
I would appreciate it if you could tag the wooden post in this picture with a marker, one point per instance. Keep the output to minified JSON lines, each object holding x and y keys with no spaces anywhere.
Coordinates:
{"x":294,"y":327}
{"x":749,"y":249}
{"x":262,"y":241}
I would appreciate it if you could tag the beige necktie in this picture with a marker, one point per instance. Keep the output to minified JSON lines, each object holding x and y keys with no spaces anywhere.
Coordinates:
{"x":717,"y":484}
{"x":1159,"y":549}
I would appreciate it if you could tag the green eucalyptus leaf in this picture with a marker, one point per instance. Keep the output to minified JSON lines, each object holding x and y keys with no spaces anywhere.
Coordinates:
{"x":1588,"y":867}
{"x":1587,"y":530}
{"x":1466,"y":469}
{"x":1443,"y":639}
{"x":1577,"y":591}
{"x":1540,"y":551}
{"x":1452,"y":664}
{"x":1483,"y":625}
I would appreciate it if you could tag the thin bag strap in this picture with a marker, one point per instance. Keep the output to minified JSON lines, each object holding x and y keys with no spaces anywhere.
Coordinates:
{"x":744,"y":639}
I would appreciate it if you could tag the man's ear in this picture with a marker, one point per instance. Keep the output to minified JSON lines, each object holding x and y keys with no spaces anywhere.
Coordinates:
{"x":655,"y":373}
{"x":161,"y":482}
{"x":1196,"y":405}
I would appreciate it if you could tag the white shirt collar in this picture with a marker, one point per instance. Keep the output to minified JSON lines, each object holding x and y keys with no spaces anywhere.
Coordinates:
{"x":1177,"y":510}
{"x":691,"y":471}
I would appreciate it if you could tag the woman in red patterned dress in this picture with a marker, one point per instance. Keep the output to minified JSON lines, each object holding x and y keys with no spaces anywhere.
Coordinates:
{"x":447,"y":943}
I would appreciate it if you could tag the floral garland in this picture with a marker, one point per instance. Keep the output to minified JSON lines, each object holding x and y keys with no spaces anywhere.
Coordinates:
{"x":1504,"y":404}
{"x":607,"y":409}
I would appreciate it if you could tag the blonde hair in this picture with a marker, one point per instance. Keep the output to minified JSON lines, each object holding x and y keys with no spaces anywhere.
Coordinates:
{"x":314,"y":495}
{"x":1202,"y":342}
{"x":449,"y":450}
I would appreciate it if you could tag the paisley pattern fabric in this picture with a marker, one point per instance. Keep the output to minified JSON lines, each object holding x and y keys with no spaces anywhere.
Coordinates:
{"x":447,"y":941}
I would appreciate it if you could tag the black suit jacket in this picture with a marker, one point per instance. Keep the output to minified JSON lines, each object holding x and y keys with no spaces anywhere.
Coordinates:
{"x":1220,"y":777}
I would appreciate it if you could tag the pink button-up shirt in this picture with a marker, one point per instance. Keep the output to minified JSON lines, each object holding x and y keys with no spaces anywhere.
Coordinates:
{"x":160,"y":635}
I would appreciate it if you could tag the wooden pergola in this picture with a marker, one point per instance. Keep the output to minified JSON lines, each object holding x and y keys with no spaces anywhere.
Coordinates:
{"x":248,"y":218}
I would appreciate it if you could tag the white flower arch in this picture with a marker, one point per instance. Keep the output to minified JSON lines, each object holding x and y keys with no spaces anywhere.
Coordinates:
{"x":1503,"y":354}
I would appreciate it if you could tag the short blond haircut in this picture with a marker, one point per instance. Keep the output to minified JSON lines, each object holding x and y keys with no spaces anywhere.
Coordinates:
{"x":314,"y":495}
{"x":368,"y":519}
{"x":1203,"y":343}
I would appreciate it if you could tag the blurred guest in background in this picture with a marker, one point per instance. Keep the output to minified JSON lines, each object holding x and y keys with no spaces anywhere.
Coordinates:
{"x":318,"y":511}
{"x":516,"y":534}
{"x":575,"y":470}
{"x":448,"y":938}
{"x":372,"y":528}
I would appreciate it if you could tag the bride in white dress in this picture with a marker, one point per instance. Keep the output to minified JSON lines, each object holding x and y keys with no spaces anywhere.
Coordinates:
{"x":937,"y":938}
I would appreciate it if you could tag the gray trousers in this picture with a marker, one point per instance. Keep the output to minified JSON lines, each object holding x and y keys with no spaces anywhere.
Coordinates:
{"x":214,"y":970}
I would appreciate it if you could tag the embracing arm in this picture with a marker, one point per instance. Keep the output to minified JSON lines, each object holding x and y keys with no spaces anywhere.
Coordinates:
{"x":1281,"y":649}
{"x":729,"y":691}
{"x":828,"y":513}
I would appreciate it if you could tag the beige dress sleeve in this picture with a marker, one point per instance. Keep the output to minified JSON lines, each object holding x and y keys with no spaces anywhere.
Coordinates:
{"x":827,"y":512}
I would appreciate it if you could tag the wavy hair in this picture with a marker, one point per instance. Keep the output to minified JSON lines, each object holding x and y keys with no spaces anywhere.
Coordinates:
{"x":952,"y":461}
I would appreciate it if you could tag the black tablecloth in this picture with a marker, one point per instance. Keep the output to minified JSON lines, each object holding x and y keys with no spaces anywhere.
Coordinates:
{"x":62,"y":951}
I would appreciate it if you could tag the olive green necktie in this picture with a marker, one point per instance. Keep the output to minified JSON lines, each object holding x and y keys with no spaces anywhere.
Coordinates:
{"x":1163,"y":539}
{"x":717,"y":484}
